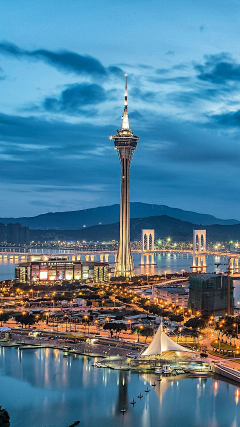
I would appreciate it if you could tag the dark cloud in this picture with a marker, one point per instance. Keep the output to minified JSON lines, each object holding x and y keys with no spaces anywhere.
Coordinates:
{"x":145,"y":96}
{"x":76,"y":97}
{"x":220,"y":69}
{"x":230,"y":119}
{"x":164,"y":80}
{"x":62,"y":60}
{"x":163,"y":70}
{"x":178,"y":67}
{"x":192,"y":96}
{"x":135,"y":115}
{"x":146,"y":67}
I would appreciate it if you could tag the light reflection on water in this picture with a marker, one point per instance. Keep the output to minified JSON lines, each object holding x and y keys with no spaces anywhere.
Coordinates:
{"x":40,"y":390}
{"x":164,"y":262}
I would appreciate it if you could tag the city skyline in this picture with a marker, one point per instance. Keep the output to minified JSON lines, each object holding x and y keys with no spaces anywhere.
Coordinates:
{"x":61,"y":97}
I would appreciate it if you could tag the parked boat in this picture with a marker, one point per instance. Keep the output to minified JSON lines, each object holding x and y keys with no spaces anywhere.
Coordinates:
{"x":158,"y":371}
{"x":198,"y":374}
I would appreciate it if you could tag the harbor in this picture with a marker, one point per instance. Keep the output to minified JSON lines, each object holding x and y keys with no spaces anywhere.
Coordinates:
{"x":43,"y":388}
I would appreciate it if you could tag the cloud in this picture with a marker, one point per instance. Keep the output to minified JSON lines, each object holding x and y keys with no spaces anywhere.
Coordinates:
{"x":135,"y":115}
{"x":230,"y":119}
{"x":62,"y":60}
{"x":220,"y":69}
{"x":76,"y":97}
{"x":191,"y":96}
{"x":147,"y":96}
{"x":164,"y":80}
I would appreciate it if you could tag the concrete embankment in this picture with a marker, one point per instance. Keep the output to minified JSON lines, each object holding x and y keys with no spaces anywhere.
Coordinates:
{"x":227,"y":372}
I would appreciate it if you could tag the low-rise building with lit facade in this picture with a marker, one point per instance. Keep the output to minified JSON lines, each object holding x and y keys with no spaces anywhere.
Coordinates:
{"x":61,"y":268}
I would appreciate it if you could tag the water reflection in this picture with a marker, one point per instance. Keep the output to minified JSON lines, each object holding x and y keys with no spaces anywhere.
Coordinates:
{"x":165,"y":261}
{"x":42,"y":388}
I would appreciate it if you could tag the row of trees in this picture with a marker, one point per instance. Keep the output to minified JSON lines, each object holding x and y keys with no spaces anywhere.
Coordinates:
{"x":118,"y":327}
{"x":115,"y":327}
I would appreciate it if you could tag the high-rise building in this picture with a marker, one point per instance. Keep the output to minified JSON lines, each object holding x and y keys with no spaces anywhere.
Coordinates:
{"x":208,"y":293}
{"x":125,"y":143}
{"x":17,"y":234}
{"x":2,"y":232}
{"x":13,"y":233}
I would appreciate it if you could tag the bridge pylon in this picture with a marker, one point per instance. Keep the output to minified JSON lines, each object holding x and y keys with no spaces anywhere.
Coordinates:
{"x":147,"y":247}
{"x":199,"y":251}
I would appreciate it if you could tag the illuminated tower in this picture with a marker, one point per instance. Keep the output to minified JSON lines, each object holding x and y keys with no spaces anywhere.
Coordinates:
{"x":125,"y":143}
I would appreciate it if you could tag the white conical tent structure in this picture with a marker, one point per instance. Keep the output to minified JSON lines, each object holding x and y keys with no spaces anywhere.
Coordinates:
{"x":160,"y":343}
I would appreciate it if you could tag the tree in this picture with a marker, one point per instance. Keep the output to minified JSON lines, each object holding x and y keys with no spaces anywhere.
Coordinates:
{"x":137,"y":331}
{"x":4,"y":418}
{"x":195,"y":323}
{"x":114,"y":326}
{"x":109,"y":327}
{"x":147,"y":332}
{"x":4,"y":317}
{"x":120,"y":327}
{"x":25,"y":319}
{"x":176,"y":317}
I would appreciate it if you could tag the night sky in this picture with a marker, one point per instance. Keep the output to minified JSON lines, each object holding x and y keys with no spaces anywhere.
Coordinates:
{"x":62,"y":66}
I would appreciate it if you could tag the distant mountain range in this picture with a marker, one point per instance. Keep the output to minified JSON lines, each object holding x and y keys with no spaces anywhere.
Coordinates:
{"x":164,"y":226}
{"x":77,"y":220}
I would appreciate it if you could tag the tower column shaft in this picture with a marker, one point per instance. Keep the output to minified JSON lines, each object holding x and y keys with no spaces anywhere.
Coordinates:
{"x":124,"y":263}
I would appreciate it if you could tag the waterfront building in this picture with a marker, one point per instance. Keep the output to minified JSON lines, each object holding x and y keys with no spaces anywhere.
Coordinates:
{"x":125,"y":144}
{"x":162,"y":343}
{"x":208,"y":293}
{"x":61,"y":268}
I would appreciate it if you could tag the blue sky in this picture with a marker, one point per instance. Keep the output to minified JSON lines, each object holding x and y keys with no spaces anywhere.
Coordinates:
{"x":62,"y":66}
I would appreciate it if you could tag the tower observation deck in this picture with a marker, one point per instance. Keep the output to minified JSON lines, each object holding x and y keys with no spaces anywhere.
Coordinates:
{"x":125,"y":143}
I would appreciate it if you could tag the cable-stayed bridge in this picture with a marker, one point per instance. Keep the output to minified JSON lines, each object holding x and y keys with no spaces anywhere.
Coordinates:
{"x":147,"y":244}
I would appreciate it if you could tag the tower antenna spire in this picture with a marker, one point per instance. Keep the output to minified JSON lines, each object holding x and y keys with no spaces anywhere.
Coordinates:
{"x":126,"y":96}
{"x":125,"y":119}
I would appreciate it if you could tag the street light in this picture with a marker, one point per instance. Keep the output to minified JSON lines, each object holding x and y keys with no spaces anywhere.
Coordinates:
{"x":141,"y":327}
{"x":236,"y":325}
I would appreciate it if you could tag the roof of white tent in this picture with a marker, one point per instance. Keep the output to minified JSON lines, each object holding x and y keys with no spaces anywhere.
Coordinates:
{"x":160,"y":343}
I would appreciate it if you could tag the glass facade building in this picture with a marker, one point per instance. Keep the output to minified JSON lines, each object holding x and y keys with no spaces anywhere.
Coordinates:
{"x":54,"y":269}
